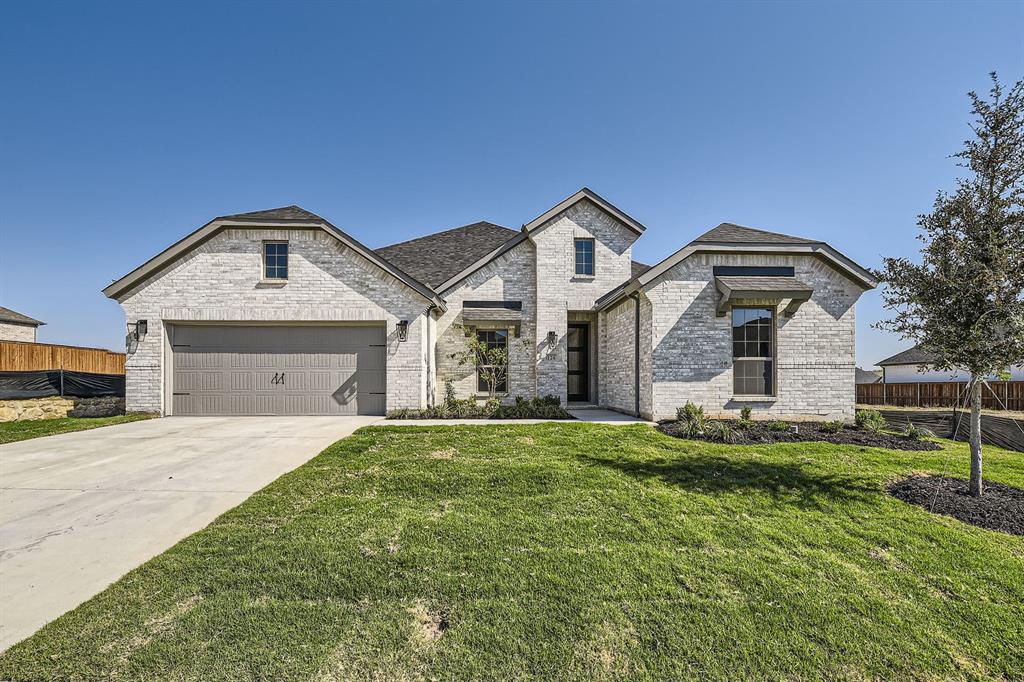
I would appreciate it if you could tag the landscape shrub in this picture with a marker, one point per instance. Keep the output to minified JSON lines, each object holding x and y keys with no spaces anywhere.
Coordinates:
{"x":778,"y":426}
{"x":745,"y":414}
{"x":870,"y":420}
{"x":917,"y":432}
{"x":692,"y":420}
{"x":832,"y":427}
{"x":721,"y":431}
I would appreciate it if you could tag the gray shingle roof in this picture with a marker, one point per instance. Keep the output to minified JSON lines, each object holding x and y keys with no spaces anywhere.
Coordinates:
{"x":436,"y":258}
{"x":911,"y":356}
{"x":292,"y":212}
{"x":637,"y":269}
{"x":8,"y":315}
{"x":766,"y":284}
{"x":737,"y":234}
{"x":863,"y":376}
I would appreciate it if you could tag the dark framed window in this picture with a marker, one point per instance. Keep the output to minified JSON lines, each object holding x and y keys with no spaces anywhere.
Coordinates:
{"x":753,"y":348}
{"x":275,"y":260}
{"x":492,"y":338}
{"x":584,"y":256}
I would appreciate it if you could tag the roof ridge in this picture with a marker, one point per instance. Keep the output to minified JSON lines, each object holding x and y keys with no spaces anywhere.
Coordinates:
{"x":726,"y":226}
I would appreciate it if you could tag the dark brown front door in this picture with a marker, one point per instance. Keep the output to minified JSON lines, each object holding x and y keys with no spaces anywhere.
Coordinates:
{"x":579,"y":362}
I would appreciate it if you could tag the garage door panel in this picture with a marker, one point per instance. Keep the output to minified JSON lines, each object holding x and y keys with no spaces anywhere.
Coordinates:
{"x":279,"y":370}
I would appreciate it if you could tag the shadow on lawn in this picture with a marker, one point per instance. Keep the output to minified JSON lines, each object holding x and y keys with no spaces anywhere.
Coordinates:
{"x":719,"y":474}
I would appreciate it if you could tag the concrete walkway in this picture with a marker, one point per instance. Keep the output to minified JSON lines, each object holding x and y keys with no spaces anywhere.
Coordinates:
{"x":79,"y":510}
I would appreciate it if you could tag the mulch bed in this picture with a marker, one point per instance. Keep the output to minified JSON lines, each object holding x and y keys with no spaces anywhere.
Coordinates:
{"x":1000,"y":507}
{"x":809,"y":431}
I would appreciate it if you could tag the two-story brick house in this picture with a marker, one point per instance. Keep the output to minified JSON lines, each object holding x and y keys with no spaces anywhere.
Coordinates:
{"x":280,"y":312}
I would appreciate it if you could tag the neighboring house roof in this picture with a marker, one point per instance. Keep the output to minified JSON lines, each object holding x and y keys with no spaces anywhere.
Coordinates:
{"x":436,"y":258}
{"x":286,"y":216}
{"x":911,"y":356}
{"x":13,"y":317}
{"x":730,"y":238}
{"x":863,"y":376}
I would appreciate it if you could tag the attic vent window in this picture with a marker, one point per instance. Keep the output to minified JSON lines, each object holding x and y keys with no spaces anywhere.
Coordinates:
{"x":275,"y":260}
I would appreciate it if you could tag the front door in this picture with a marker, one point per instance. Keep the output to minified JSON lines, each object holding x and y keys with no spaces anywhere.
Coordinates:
{"x":579,"y":362}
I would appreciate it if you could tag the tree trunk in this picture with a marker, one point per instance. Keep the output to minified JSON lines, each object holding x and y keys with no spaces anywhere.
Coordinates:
{"x":975,"y":483}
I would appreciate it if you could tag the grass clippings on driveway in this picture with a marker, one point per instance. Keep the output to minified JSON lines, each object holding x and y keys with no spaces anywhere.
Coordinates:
{"x":565,"y":552}
{"x":12,"y":432}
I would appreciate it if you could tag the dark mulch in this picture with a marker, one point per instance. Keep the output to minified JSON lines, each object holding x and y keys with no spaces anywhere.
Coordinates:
{"x":1001,"y":507}
{"x":809,"y":431}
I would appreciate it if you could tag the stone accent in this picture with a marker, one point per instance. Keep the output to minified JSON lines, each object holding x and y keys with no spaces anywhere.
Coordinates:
{"x":17,"y":332}
{"x":510,"y":278}
{"x":98,"y":407}
{"x":560,"y":290}
{"x":35,"y":408}
{"x":691,"y":350}
{"x":220,"y":280}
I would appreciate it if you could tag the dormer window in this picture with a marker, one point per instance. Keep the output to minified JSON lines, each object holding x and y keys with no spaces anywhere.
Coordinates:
{"x":585,"y":257}
{"x":275,"y":260}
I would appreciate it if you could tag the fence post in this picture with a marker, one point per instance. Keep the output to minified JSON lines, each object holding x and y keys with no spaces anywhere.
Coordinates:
{"x":61,"y":382}
{"x":918,"y":394}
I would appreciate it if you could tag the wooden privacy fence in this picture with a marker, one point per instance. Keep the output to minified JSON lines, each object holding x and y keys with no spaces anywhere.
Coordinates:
{"x":18,"y":356}
{"x":995,"y":395}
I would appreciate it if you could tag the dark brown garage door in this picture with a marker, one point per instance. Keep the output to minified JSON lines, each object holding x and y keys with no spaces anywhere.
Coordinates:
{"x":233,"y":370}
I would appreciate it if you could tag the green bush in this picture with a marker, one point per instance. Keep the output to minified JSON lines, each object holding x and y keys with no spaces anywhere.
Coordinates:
{"x":832,"y":427}
{"x":870,"y":420}
{"x":778,"y":426}
{"x":449,"y":392}
{"x":746,"y":424}
{"x":692,"y":420}
{"x":721,"y":431}
{"x":745,"y":414}
{"x":917,"y":433}
{"x":548,"y":407}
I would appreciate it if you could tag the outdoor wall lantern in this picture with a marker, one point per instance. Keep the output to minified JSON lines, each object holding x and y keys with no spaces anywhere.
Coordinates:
{"x":403,"y":330}
{"x":552,"y":338}
{"x":138,"y":329}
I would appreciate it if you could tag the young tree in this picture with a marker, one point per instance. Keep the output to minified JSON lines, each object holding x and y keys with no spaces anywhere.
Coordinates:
{"x":964,"y":303}
{"x":491,"y":362}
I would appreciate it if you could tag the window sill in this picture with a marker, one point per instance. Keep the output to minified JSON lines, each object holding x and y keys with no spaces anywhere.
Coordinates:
{"x":268,"y":283}
{"x":586,"y":278}
{"x":754,"y":399}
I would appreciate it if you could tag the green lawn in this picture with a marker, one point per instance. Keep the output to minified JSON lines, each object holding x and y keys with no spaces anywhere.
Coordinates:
{"x":564,"y":551}
{"x":11,"y":432}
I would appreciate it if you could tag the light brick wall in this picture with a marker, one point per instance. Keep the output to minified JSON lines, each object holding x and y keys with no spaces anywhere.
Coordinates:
{"x":509,"y":277}
{"x":617,"y":359}
{"x":691,"y":352}
{"x":220,"y":281}
{"x":17,"y":332}
{"x":560,"y":290}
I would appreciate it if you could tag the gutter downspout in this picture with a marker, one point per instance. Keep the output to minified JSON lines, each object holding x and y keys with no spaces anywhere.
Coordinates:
{"x":636,"y":354}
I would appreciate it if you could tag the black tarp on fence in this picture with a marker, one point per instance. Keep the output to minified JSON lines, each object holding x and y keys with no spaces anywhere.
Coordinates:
{"x":59,"y":382}
{"x":1003,"y":432}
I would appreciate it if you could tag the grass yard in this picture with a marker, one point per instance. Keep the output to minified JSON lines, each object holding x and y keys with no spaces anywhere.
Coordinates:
{"x":11,"y":432}
{"x":565,"y":552}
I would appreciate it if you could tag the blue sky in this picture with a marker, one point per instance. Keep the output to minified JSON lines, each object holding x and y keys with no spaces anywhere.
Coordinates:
{"x":126,"y":126}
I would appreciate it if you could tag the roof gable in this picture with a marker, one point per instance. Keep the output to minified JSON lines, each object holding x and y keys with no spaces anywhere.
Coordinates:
{"x":436,"y":258}
{"x":264,"y":219}
{"x":594,"y":197}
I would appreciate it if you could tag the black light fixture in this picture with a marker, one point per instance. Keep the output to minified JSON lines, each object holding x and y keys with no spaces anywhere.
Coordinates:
{"x":403,"y":330}
{"x":552,"y":338}
{"x":138,"y":330}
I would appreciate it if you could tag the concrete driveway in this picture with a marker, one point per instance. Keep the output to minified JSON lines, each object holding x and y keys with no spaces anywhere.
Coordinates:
{"x":79,"y":510}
